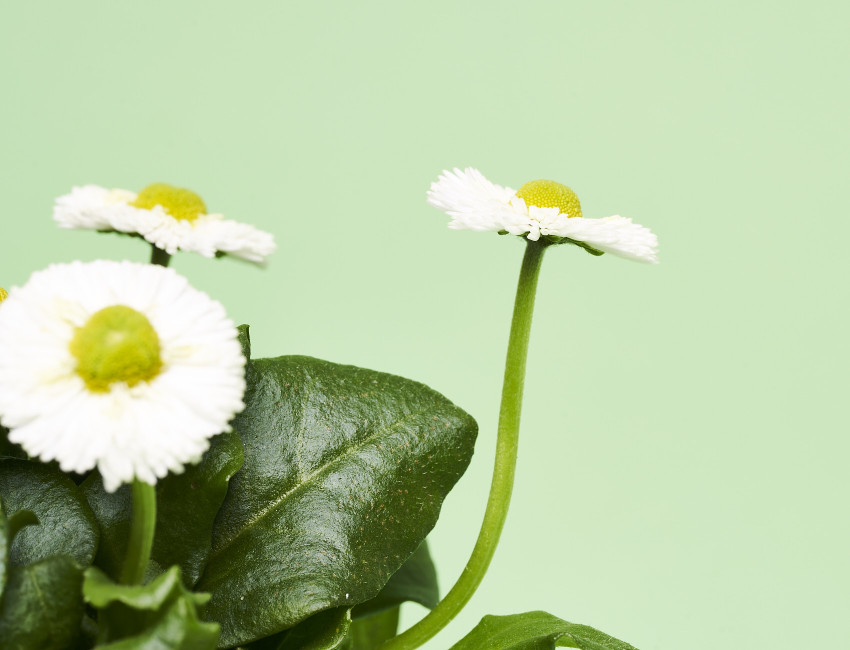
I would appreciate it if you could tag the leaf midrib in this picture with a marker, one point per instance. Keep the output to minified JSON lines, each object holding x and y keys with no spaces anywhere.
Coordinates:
{"x":273,"y":505}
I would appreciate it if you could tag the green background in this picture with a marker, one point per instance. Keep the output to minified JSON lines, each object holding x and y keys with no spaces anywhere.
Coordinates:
{"x":682,"y":480}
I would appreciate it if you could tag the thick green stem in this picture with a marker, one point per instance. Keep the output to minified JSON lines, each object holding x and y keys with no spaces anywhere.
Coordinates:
{"x":159,"y":256}
{"x":503,"y":471}
{"x":141,"y":534}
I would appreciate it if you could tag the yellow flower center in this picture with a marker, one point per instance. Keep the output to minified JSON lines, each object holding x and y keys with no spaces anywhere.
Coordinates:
{"x":116,"y":344}
{"x":3,"y":294}
{"x":179,"y":203}
{"x":549,"y":194}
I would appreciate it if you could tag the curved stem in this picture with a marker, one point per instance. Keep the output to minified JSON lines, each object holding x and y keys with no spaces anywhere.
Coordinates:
{"x":141,"y":533}
{"x":159,"y":256}
{"x":505,"y":465}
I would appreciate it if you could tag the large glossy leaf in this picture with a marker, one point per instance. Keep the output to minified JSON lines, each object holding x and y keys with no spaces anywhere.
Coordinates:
{"x":415,"y":581}
{"x":160,"y":615}
{"x":187,"y":504}
{"x":67,"y":525}
{"x":42,"y":605}
{"x":345,"y":473}
{"x":535,"y":631}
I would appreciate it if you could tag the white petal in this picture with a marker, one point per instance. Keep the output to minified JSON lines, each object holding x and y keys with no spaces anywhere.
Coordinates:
{"x":473,"y":202}
{"x":616,"y":235}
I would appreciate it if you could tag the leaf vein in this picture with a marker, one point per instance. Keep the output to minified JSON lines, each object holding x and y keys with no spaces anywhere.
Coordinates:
{"x":273,"y":505}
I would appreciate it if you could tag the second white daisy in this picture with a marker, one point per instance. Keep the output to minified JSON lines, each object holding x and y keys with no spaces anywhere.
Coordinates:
{"x":170,"y":218}
{"x":117,"y":365}
{"x":538,"y":209}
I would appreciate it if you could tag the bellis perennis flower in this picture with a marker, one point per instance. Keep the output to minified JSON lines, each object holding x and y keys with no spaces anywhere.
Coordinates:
{"x":117,"y":365}
{"x":539,"y":209}
{"x":170,"y":218}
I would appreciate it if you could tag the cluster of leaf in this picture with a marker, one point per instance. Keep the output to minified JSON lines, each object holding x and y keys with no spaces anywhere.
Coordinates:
{"x":302,"y":529}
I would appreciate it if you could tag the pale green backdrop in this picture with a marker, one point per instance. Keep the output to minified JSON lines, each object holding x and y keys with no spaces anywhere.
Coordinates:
{"x":683,"y":470}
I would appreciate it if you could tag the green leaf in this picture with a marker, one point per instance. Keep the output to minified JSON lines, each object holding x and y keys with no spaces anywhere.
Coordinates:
{"x":370,"y":632}
{"x":323,"y":631}
{"x":535,"y":631}
{"x":9,"y":527}
{"x":9,"y":449}
{"x":187,"y":504}
{"x":42,"y":605}
{"x":159,"y":615}
{"x":67,"y":525}
{"x":415,"y":581}
{"x":243,"y":334}
{"x":345,"y":473}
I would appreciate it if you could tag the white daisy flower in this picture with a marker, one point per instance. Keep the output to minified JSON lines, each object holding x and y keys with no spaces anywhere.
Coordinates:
{"x":170,"y":218}
{"x":538,"y":209}
{"x":117,"y":365}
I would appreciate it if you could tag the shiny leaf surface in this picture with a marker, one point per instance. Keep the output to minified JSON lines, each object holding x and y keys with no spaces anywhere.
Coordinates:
{"x":345,"y":473}
{"x":415,"y":581}
{"x":67,"y":524}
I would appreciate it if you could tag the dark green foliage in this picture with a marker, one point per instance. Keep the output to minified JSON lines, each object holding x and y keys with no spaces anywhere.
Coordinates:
{"x":187,"y":504}
{"x":535,"y":631}
{"x":345,"y":473}
{"x":159,"y":615}
{"x":67,"y":525}
{"x":415,"y":581}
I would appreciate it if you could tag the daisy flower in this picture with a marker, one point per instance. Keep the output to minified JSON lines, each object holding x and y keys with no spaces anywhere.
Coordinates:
{"x":539,"y":209}
{"x":3,"y":294}
{"x":170,"y":218}
{"x":117,"y":365}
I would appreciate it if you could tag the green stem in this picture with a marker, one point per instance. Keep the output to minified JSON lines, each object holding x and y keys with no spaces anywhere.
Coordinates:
{"x":141,"y":534}
{"x":503,"y":471}
{"x":159,"y":256}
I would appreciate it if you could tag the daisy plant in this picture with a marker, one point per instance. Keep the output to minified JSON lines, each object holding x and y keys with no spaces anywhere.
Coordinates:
{"x":166,"y":490}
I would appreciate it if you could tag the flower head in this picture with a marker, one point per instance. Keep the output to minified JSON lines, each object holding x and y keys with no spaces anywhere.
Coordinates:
{"x":117,"y":365}
{"x":3,"y":294}
{"x":538,"y":209}
{"x":170,"y":218}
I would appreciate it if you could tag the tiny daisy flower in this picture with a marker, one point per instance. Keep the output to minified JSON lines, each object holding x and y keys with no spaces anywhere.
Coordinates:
{"x":117,"y":365}
{"x":539,"y":209}
{"x":170,"y":218}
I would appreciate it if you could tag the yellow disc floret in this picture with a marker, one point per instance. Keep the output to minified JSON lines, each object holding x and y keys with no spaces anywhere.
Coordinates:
{"x":117,"y":344}
{"x":3,"y":294}
{"x":179,"y":203}
{"x":549,"y":194}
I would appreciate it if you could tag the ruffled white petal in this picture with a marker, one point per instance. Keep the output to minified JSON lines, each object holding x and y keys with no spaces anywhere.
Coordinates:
{"x":616,"y":235}
{"x":143,"y":431}
{"x":474,"y":203}
{"x":97,"y":208}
